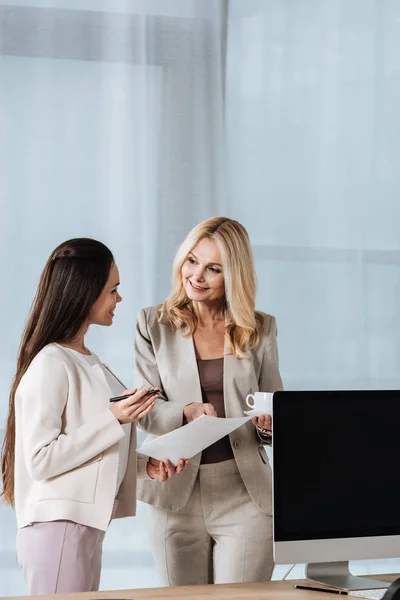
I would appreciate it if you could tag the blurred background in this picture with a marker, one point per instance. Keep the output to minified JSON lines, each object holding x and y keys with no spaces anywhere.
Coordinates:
{"x":131,"y":121}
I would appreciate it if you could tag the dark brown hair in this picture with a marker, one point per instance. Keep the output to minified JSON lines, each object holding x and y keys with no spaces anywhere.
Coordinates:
{"x":71,"y":282}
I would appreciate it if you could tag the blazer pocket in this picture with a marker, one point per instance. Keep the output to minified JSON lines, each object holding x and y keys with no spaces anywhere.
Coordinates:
{"x":79,"y":485}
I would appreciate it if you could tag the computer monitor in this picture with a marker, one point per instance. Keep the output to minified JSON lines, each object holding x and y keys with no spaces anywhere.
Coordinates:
{"x":336,"y":481}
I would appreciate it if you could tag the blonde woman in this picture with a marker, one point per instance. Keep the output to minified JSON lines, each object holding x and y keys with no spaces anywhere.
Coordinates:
{"x":206,"y":348}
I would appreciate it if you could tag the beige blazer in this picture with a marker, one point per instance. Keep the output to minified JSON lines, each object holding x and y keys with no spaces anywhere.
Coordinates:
{"x":67,"y":444}
{"x":167,"y":360}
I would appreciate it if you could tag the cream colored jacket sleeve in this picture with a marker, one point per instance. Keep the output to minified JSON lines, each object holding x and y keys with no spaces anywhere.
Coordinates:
{"x":47,"y":451}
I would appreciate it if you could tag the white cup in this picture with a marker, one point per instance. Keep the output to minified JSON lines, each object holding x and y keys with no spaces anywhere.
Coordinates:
{"x":262,"y":401}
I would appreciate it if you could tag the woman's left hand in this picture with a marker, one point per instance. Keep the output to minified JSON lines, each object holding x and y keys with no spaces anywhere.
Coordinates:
{"x":263,"y":422}
{"x":164,"y":470}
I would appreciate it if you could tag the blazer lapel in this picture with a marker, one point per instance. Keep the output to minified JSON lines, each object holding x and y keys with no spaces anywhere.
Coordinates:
{"x":182,"y":376}
{"x":101,"y":376}
{"x":185,"y":378}
{"x":239,"y":380}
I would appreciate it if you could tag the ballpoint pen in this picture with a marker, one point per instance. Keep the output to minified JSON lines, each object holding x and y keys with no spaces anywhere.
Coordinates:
{"x":315,"y":589}
{"x":118,"y":398}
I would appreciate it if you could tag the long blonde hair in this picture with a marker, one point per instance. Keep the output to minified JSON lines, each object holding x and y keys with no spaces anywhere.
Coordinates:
{"x":242,"y":321}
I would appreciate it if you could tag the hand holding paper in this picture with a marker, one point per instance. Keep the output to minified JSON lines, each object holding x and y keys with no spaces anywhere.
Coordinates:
{"x":190,"y":439}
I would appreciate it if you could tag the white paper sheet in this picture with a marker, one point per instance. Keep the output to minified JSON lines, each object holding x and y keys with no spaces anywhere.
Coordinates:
{"x":190,"y":439}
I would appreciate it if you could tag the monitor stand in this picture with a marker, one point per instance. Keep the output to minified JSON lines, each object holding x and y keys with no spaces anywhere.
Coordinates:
{"x":337,"y":574}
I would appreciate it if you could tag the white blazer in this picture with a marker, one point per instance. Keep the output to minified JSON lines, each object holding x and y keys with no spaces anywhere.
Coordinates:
{"x":67,"y":444}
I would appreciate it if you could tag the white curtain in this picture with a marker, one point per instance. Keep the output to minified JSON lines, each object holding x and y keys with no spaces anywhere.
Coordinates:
{"x":313,"y":126}
{"x":110,"y":127}
{"x":313,"y":138}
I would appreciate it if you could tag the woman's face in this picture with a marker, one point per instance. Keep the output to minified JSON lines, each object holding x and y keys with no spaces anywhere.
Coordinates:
{"x":202,"y":274}
{"x":102,"y":311}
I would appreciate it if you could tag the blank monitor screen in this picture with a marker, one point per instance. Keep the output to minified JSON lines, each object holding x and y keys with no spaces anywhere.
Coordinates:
{"x":336,"y":464}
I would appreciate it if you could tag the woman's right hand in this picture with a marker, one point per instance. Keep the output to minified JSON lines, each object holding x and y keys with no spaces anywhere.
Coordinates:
{"x":138,"y":405}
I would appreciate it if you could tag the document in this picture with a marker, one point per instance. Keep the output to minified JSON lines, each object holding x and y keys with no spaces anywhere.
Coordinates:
{"x":190,"y":439}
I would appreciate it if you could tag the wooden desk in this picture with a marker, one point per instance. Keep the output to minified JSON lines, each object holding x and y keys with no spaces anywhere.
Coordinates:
{"x":270,"y":590}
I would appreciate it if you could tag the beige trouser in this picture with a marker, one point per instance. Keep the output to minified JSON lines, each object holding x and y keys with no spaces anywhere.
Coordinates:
{"x":220,"y":536}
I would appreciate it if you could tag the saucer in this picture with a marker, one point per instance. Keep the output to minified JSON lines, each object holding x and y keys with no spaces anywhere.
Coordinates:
{"x":254,"y":412}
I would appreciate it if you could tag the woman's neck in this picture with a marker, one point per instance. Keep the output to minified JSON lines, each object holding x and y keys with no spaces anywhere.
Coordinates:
{"x":77,"y":344}
{"x":208,"y":313}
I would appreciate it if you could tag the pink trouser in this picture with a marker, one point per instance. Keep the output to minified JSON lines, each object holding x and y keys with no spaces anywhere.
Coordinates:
{"x":60,"y":557}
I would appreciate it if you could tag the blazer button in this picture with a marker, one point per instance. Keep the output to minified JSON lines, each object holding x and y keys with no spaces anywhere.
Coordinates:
{"x":237,"y":444}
